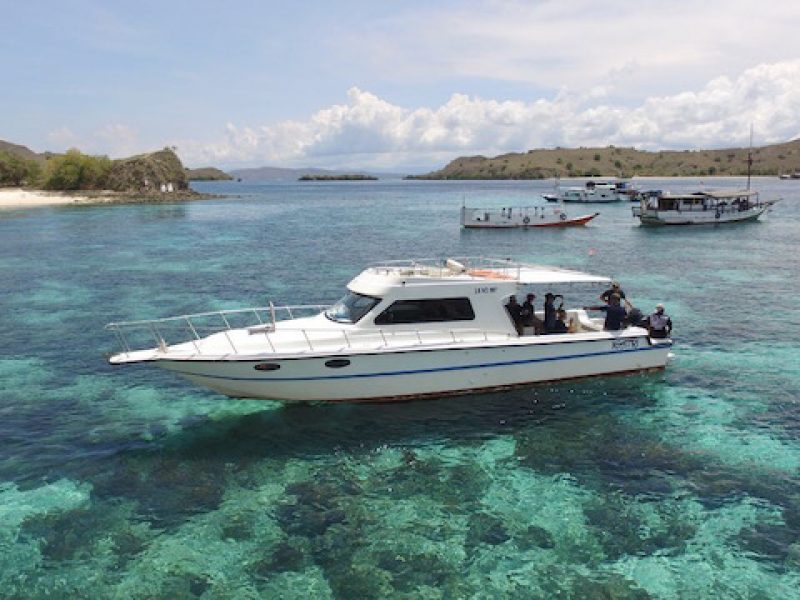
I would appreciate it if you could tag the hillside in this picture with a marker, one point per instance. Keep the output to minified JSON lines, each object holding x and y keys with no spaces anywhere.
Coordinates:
{"x":286,"y":174}
{"x":147,"y":172}
{"x":207,"y":174}
{"x":21,"y":151}
{"x":622,"y":162}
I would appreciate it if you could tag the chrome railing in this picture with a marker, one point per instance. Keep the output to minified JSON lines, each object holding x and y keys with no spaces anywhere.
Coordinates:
{"x":438,"y":267}
{"x":194,"y":328}
{"x":200,"y":325}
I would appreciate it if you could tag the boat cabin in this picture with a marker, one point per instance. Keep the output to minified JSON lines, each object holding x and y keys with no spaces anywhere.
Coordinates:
{"x":738,"y":200}
{"x":459,"y":294}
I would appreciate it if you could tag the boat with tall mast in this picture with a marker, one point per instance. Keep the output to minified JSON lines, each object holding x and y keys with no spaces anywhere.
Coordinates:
{"x":710,"y":207}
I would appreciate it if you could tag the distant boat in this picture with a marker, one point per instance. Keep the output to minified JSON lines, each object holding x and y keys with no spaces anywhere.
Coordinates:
{"x":795,"y":175}
{"x":549,"y":213}
{"x":698,"y":208}
{"x":594,"y":191}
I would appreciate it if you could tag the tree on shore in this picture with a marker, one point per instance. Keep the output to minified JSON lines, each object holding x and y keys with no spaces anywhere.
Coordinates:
{"x":76,"y":171}
{"x":15,"y":170}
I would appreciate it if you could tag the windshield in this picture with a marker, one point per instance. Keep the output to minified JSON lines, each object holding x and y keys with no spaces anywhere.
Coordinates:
{"x":351,"y":308}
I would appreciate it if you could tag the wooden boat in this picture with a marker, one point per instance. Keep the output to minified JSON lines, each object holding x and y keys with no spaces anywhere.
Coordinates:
{"x":550,"y":213}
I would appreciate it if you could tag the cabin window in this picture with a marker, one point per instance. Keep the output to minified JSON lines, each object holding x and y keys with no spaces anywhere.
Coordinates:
{"x":427,"y":311}
{"x":351,"y":308}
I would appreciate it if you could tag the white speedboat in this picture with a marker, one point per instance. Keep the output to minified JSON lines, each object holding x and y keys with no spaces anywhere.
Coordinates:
{"x":593,"y":191}
{"x":406,"y":329}
{"x":700,"y":208}
{"x":548,"y":213}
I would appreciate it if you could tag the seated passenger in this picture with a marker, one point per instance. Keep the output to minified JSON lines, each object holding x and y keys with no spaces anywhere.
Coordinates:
{"x":560,"y":325}
{"x":529,"y":318}
{"x":515,"y":312}
{"x":550,"y":311}
{"x":659,"y":324}
{"x":615,"y":313}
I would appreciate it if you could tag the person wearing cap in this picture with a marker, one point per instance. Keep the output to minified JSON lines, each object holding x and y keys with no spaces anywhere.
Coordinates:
{"x":614,"y":289}
{"x":659,"y":324}
{"x":615,"y":313}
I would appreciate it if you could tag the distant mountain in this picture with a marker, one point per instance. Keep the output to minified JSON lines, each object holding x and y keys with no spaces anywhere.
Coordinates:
{"x":21,"y":151}
{"x":281,"y":174}
{"x":622,"y":162}
{"x":207,"y":174}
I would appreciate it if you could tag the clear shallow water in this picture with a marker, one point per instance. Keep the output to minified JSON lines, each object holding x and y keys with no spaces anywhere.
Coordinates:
{"x":131,"y":483}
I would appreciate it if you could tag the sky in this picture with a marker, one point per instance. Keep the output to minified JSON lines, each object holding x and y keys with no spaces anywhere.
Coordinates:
{"x":394,"y":86}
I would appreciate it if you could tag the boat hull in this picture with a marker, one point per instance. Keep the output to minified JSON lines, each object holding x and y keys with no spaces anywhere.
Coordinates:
{"x":371,"y":377}
{"x":699,"y":218}
{"x":582,"y":220}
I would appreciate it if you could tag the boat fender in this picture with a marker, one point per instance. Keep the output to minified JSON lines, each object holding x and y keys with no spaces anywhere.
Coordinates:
{"x":563,"y":217}
{"x":526,"y":220}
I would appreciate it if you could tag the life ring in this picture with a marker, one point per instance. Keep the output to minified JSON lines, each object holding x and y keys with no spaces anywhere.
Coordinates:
{"x":563,"y":217}
{"x":526,"y":220}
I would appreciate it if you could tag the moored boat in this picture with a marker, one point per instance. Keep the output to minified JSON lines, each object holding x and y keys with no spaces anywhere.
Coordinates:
{"x":699,"y":208}
{"x":550,"y":213}
{"x":405,"y":329}
{"x":594,"y":191}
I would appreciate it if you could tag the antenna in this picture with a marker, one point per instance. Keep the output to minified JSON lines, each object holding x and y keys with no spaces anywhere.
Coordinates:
{"x":750,"y":157}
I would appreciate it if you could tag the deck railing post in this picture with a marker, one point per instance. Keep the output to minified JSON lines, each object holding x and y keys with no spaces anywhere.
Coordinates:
{"x":193,"y":332}
{"x":230,"y":341}
{"x":308,"y":340}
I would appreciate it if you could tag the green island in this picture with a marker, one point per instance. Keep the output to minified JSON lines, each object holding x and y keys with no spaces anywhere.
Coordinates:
{"x":354,"y":177}
{"x":622,"y":162}
{"x":207,"y":174}
{"x":152,"y":177}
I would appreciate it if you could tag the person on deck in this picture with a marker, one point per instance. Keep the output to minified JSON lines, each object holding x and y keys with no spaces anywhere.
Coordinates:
{"x":659,"y":324}
{"x":550,"y":311}
{"x":560,"y":325}
{"x":515,"y":312}
{"x":529,"y":318}
{"x":615,"y":313}
{"x":614,"y":289}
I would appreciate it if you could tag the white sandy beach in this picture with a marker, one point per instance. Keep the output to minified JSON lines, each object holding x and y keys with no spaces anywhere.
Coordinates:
{"x":20,"y":198}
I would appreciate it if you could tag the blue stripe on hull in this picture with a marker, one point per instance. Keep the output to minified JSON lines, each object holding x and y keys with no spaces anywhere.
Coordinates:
{"x":433,"y":370}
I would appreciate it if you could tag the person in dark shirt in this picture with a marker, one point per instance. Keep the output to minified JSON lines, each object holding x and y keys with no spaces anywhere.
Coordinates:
{"x":550,"y":311}
{"x":529,"y":318}
{"x":615,"y":313}
{"x":614,"y":289}
{"x":515,"y":311}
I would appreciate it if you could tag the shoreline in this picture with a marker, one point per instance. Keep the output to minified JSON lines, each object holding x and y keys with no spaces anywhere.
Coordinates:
{"x":16,"y":198}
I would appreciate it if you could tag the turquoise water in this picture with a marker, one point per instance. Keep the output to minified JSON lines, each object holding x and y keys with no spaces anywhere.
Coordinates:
{"x":130,"y":483}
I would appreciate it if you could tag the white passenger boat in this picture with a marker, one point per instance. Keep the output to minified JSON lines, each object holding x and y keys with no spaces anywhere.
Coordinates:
{"x":405,"y":329}
{"x":594,"y":191}
{"x":698,"y":208}
{"x":548,"y":213}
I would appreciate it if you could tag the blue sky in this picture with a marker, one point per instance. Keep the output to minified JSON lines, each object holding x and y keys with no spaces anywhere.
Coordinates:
{"x":395,"y":85}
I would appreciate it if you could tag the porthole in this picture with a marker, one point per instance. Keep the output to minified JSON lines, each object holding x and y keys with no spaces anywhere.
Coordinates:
{"x":267,"y":367}
{"x":337,"y":363}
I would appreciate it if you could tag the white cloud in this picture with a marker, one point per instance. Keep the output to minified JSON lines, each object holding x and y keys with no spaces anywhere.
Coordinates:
{"x":369,"y":132}
{"x":114,"y":139}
